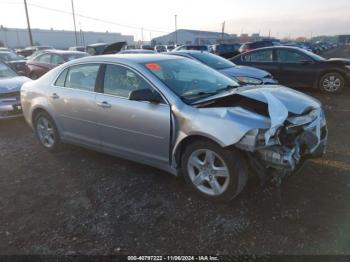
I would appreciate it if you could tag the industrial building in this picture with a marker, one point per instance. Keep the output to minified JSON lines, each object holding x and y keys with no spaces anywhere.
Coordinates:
{"x":184,"y":36}
{"x":19,"y":38}
{"x":195,"y":37}
{"x":344,"y":39}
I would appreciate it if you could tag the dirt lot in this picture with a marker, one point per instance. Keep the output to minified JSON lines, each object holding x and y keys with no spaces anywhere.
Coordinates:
{"x":82,"y":202}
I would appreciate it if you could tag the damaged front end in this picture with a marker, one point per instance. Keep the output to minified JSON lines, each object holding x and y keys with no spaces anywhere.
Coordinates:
{"x":295,"y":128}
{"x":298,"y":138}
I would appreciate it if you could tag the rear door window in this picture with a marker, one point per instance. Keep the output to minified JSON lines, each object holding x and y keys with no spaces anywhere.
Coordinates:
{"x":82,"y":77}
{"x":259,"y":56}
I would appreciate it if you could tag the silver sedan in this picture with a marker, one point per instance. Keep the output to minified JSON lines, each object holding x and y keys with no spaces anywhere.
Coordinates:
{"x":178,"y":115}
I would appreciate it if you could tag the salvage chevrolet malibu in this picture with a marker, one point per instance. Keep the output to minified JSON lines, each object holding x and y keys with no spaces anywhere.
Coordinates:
{"x":178,"y":115}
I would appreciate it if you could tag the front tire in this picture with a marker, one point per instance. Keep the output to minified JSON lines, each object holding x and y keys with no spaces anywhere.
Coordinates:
{"x":214,"y":172}
{"x":332,"y":82}
{"x":46,"y":131}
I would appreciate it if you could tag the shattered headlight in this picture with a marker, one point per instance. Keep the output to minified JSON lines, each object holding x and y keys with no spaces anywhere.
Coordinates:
{"x":252,"y":139}
{"x":248,"y":80}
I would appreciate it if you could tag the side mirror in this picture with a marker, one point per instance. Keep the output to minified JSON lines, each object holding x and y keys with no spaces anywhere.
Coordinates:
{"x":145,"y":95}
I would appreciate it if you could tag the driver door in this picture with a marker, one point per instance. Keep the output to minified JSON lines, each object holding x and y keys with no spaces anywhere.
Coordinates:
{"x":136,"y":129}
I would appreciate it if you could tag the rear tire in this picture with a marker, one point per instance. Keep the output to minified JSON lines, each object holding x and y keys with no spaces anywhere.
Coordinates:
{"x":216,"y":173}
{"x":46,"y":131}
{"x":331,"y":83}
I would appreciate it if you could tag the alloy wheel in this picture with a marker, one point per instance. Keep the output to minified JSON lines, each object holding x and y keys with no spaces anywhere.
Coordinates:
{"x":45,"y":132}
{"x":331,"y":83}
{"x":208,"y":172}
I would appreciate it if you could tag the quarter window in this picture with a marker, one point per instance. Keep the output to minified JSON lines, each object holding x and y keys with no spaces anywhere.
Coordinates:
{"x":62,"y":78}
{"x":261,"y":56}
{"x":82,"y":77}
{"x":287,"y":56}
{"x":120,"y":81}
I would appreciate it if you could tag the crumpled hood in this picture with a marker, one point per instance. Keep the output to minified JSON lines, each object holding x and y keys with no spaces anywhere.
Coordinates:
{"x":244,"y":71}
{"x":9,"y":85}
{"x":295,"y":101}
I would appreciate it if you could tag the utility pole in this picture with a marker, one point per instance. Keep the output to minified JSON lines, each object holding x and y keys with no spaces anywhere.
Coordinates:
{"x":29,"y":30}
{"x":75,"y":27}
{"x":141,"y":35}
{"x":175,"y":29}
{"x":223,"y":31}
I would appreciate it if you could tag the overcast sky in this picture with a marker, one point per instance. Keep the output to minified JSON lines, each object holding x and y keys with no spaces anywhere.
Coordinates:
{"x":283,"y":17}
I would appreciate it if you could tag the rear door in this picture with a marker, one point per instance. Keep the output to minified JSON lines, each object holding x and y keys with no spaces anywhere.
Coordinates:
{"x":295,"y":68}
{"x":73,"y":99}
{"x":263,"y":59}
{"x":136,"y":129}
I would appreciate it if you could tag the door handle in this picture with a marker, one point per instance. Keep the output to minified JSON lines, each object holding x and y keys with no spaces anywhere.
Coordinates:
{"x":104,"y":104}
{"x":55,"y":96}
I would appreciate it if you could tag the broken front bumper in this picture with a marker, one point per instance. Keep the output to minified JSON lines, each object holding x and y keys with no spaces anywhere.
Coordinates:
{"x":301,"y":138}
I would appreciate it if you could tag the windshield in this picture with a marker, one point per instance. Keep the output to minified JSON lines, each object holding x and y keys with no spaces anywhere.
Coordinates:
{"x":214,"y":61}
{"x":314,"y":56}
{"x":5,"y":71}
{"x":8,"y":56}
{"x":189,"y":79}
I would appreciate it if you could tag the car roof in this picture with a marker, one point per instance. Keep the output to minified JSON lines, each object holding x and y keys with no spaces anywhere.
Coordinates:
{"x":62,"y":52}
{"x":128,"y":58}
{"x":274,"y":47}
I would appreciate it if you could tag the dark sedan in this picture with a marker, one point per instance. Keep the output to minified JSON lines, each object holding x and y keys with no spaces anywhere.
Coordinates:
{"x":16,"y":62}
{"x":244,"y":75}
{"x":296,"y":67}
{"x":39,"y":65}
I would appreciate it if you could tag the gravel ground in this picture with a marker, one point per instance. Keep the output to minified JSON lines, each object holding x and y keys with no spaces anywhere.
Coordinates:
{"x":82,"y":202}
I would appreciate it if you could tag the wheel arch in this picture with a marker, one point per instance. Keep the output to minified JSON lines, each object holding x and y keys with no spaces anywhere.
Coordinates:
{"x":183,"y":143}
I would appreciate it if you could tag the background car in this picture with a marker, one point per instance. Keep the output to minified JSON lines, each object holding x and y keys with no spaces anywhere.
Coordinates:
{"x":170,"y":48}
{"x":10,"y":85}
{"x":160,"y":48}
{"x":244,"y":75}
{"x":296,"y":67}
{"x":96,"y":49}
{"x":258,"y":44}
{"x":42,"y":63}
{"x":31,"y":49}
{"x":226,"y":50}
{"x":193,"y":47}
{"x":16,"y":62}
{"x":77,"y":48}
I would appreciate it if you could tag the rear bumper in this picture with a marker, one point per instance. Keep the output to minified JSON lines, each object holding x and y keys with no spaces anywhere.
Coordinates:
{"x":10,"y":108}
